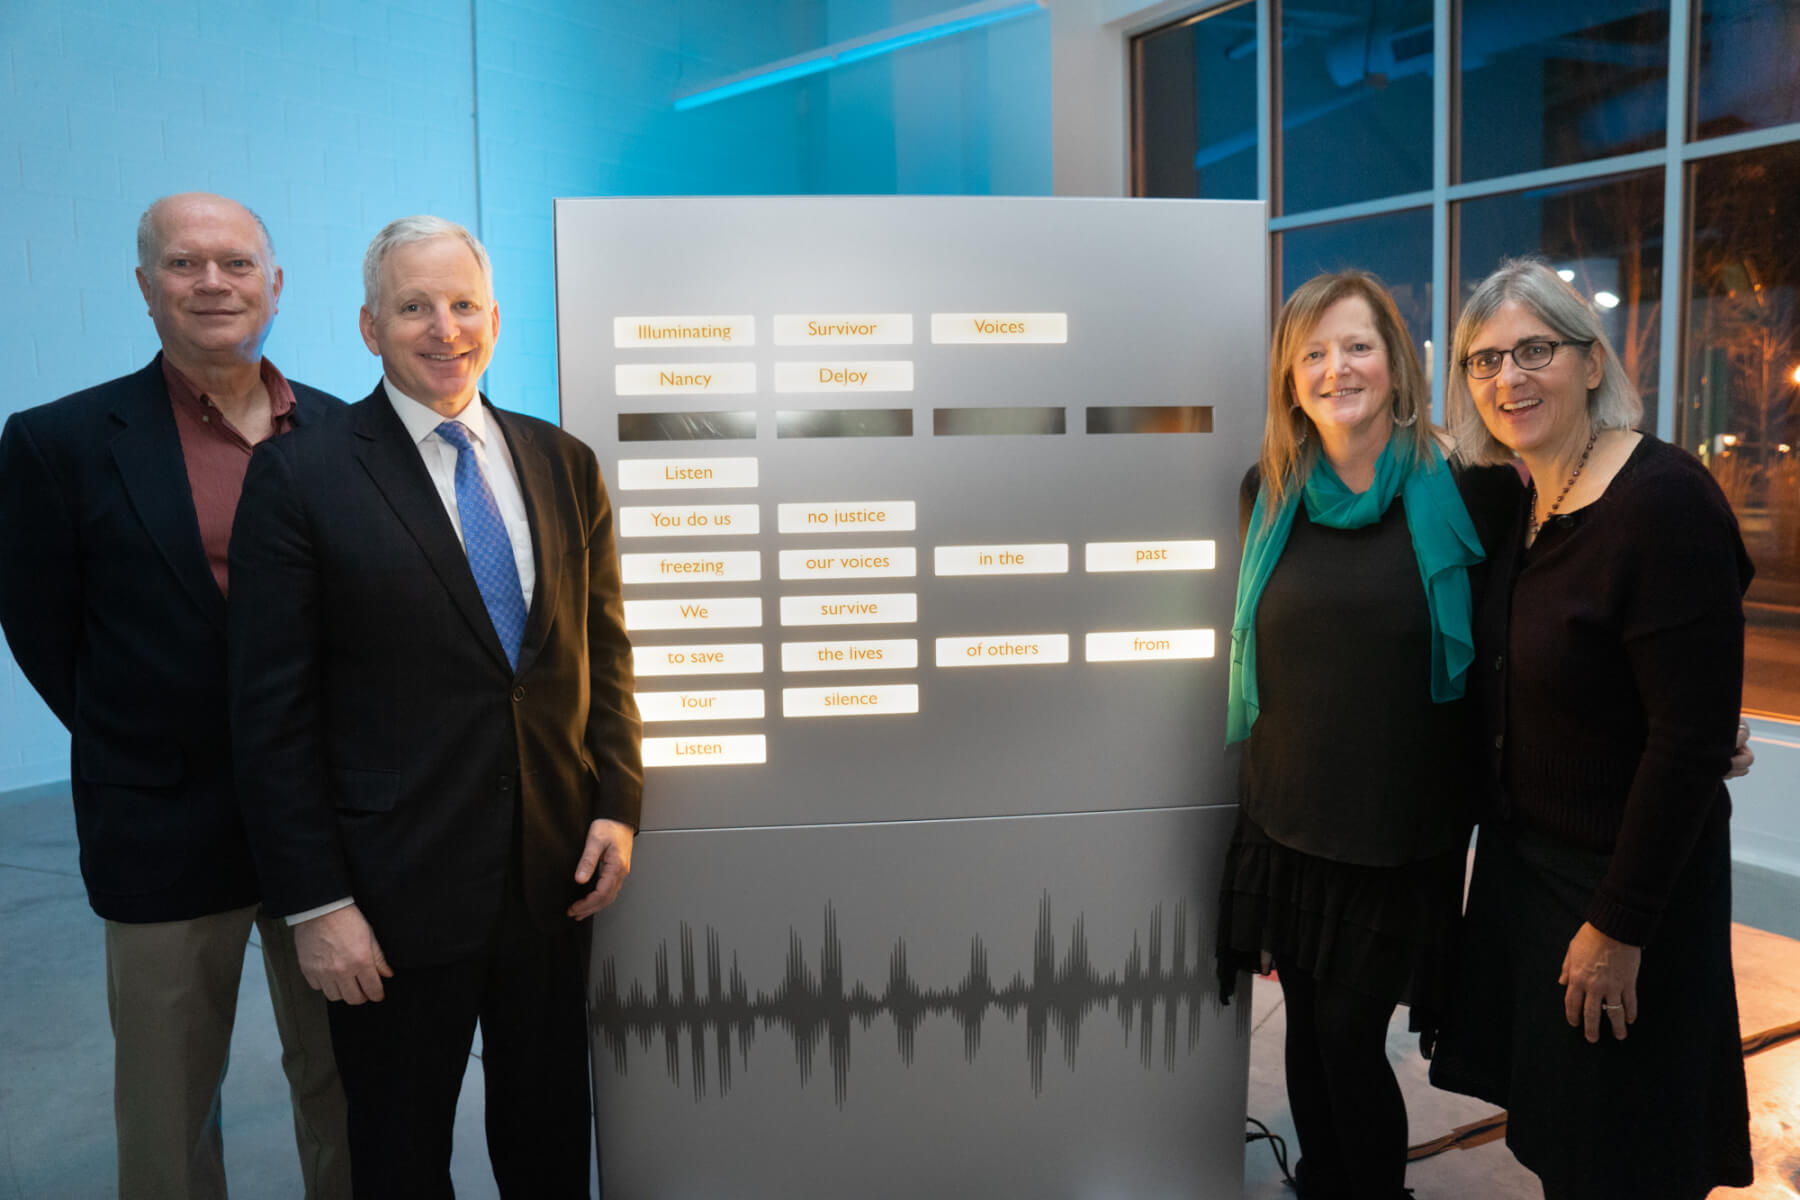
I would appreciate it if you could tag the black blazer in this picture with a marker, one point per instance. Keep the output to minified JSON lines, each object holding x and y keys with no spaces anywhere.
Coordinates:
{"x":383,"y":743}
{"x":113,"y":615}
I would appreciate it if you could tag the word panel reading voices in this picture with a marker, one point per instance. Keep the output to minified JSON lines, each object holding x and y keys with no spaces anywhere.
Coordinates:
{"x":963,"y":471}
{"x":927,"y":516}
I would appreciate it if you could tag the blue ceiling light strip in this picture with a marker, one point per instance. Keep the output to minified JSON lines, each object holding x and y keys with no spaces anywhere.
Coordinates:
{"x":948,"y":24}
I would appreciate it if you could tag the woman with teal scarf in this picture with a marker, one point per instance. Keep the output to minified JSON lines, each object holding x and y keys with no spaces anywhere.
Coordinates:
{"x":1351,"y":648}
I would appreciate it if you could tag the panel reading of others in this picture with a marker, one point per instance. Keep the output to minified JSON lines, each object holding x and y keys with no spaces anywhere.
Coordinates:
{"x":871,"y":562}
{"x":841,"y":329}
{"x":684,"y":379}
{"x":1150,"y":556}
{"x":724,"y":612}
{"x":888,"y":608}
{"x":633,"y":333}
{"x":895,"y":375}
{"x":650,"y":474}
{"x":891,"y":654}
{"x":1004,"y":650}
{"x":690,"y":520}
{"x":724,"y":658}
{"x":968,"y":328}
{"x":732,"y":750}
{"x":1044,"y":558}
{"x":717,"y":567}
{"x":850,"y":516}
{"x":1148,"y":645}
{"x":876,"y":700}
{"x":736,"y":704}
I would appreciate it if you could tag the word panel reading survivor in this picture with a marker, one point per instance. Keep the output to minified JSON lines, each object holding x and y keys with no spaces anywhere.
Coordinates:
{"x":925,"y":507}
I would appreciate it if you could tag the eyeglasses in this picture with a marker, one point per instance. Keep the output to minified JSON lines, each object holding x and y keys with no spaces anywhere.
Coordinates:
{"x":1534,"y":355}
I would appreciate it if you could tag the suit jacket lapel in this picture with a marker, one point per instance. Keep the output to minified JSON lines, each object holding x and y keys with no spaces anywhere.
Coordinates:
{"x":386,"y":451}
{"x":538,"y":485}
{"x":147,"y":452}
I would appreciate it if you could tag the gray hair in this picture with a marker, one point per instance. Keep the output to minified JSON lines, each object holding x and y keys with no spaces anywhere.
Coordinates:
{"x":404,"y":232}
{"x":1534,"y":286}
{"x":150,"y":243}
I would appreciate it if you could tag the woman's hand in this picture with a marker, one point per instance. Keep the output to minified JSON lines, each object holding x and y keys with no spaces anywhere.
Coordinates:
{"x":1600,"y":974}
{"x":1743,"y":756}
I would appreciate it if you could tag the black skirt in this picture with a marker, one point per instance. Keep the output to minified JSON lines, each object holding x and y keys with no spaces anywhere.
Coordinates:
{"x":1662,"y":1113}
{"x":1386,"y":932}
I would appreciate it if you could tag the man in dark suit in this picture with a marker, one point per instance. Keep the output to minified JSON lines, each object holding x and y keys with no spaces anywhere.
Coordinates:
{"x":437,"y":741}
{"x":116,"y":509}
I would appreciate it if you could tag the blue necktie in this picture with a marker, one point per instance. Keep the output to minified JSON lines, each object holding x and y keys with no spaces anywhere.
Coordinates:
{"x":484,"y":540}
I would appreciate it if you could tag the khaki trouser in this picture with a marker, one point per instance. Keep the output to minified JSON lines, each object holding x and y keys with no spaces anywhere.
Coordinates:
{"x":172,"y":989}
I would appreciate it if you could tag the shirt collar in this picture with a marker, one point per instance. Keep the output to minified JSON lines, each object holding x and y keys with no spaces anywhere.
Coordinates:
{"x":281,"y":392}
{"x":421,"y":420}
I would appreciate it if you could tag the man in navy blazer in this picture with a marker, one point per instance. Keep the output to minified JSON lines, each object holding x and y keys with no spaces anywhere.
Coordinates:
{"x":436,"y":738}
{"x":116,"y":507}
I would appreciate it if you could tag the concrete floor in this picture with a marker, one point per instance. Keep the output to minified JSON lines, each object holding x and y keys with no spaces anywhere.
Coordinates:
{"x":56,"y":1137}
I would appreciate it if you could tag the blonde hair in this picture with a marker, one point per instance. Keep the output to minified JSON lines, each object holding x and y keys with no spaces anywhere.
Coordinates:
{"x":1289,"y":440}
{"x":1535,"y":287}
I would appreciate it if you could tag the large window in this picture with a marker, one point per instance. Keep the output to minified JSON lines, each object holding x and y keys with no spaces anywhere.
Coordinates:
{"x":1650,"y":152}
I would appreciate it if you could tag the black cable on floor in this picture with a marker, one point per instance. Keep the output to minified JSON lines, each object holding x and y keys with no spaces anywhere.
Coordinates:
{"x":1277,"y":1146}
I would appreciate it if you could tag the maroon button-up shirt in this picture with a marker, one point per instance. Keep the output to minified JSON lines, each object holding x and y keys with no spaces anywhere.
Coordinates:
{"x":217,"y":456}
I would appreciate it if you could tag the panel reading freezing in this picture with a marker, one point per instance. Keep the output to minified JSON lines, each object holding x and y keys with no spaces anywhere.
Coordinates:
{"x":701,"y":567}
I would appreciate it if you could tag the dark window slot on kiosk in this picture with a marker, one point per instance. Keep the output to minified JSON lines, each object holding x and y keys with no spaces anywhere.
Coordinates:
{"x":844,"y":422}
{"x":1030,"y":419}
{"x":686,"y":426}
{"x":1150,"y":418}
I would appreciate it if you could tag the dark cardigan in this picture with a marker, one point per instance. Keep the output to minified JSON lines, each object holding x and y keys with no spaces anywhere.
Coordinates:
{"x":1610,"y":677}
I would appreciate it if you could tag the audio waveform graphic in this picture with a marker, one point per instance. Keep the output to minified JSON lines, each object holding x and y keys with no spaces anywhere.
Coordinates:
{"x":717,"y":1020}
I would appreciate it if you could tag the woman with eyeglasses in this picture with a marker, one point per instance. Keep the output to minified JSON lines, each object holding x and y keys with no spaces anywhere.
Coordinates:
{"x":1594,"y":998}
{"x":1351,"y":647}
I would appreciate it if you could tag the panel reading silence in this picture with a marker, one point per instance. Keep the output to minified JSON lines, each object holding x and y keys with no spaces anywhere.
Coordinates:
{"x":723,"y":658}
{"x":732,"y":750}
{"x":890,"y":654}
{"x":1196,"y":555}
{"x":1147,"y":645}
{"x":1047,"y":558}
{"x":1015,"y":649}
{"x":646,"y":474}
{"x":874,"y":700}
{"x":875,"y":562}
{"x":717,"y":566}
{"x":1150,"y":418}
{"x":630,"y":333}
{"x":735,"y":704}
{"x":684,"y":379}
{"x":882,"y":609}
{"x":843,"y":422}
{"x":960,"y":328}
{"x":724,"y":612}
{"x":848,"y":516}
{"x":686,"y":426}
{"x":688,"y":520}
{"x":998,"y":422}
{"x":856,"y":329}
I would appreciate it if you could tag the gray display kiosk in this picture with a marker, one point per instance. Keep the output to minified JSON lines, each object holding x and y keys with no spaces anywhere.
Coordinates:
{"x":927,"y":517}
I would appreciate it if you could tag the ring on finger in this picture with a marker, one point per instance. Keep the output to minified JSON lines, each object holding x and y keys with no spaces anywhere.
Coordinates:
{"x":1604,"y":1007}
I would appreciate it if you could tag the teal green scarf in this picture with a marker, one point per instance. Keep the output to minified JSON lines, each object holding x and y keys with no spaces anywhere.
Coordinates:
{"x":1443,"y":538}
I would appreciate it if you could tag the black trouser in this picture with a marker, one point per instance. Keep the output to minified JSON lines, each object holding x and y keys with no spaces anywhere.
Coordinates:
{"x":402,"y":1062}
{"x":1347,"y":1107}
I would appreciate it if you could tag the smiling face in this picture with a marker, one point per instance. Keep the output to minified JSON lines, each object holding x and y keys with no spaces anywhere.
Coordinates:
{"x":1534,"y":413}
{"x":213,"y":284}
{"x":435,"y":323}
{"x":1340,"y":376}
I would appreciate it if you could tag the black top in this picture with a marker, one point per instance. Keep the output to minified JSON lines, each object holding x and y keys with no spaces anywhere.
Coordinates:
{"x":1350,"y":759}
{"x":1611,"y":712}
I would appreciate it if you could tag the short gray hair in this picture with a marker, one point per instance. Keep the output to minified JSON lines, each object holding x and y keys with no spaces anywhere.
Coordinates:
{"x":149,"y":239}
{"x":1534,"y":286}
{"x":404,"y":232}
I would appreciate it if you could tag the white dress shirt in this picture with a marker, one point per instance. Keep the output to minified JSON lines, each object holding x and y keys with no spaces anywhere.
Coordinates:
{"x":439,"y":457}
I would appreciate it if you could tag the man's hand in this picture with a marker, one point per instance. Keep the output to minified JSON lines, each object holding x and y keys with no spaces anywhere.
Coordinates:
{"x":608,"y":851}
{"x":340,"y":956}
